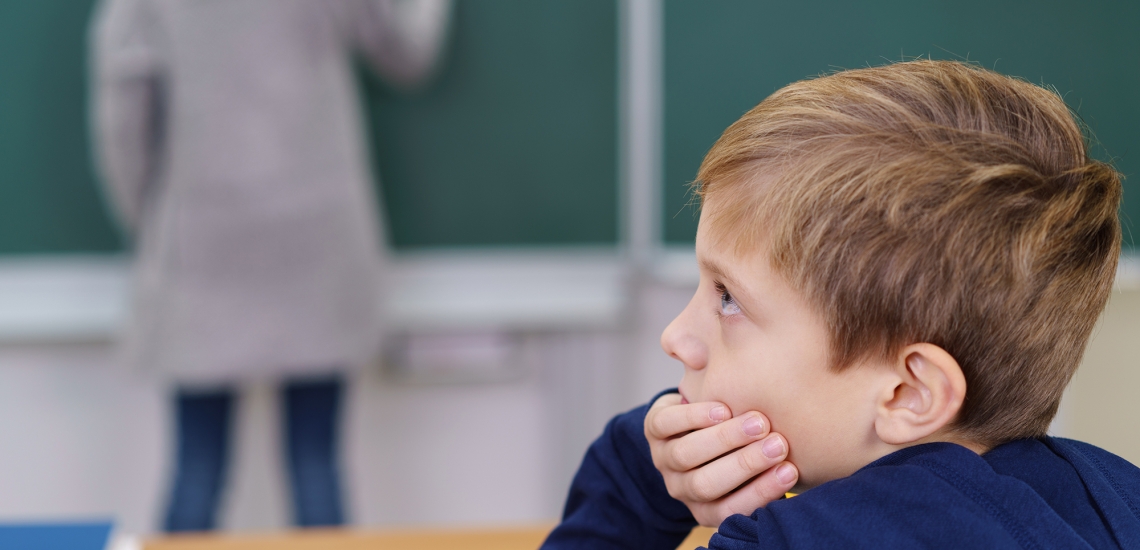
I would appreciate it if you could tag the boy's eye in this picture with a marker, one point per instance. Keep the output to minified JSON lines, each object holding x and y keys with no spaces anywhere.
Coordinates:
{"x":727,"y":304}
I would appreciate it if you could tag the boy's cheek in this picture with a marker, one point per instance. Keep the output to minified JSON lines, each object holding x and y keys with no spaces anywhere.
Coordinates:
{"x":737,"y":396}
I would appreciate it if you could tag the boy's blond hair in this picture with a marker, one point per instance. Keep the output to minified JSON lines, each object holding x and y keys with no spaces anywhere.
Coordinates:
{"x":930,"y":201}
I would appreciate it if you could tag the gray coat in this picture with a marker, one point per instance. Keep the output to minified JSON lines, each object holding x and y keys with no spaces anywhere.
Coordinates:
{"x":230,"y":139}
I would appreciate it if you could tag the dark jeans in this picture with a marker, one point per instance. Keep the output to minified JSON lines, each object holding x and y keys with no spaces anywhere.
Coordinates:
{"x":311,"y":408}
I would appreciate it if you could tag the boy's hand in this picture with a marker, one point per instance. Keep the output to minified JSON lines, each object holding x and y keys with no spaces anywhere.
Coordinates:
{"x":687,"y":442}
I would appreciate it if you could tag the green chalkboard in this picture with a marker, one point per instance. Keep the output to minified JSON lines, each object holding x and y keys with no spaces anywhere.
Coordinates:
{"x":514,"y":144}
{"x":721,"y":58}
{"x":517,"y":141}
{"x":49,"y":201}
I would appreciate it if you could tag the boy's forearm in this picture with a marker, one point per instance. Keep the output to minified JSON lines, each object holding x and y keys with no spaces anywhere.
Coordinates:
{"x":618,"y":499}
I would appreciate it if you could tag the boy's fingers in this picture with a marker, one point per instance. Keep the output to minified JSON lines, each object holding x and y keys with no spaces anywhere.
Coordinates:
{"x":652,"y":417}
{"x":723,"y":475}
{"x":666,"y":400}
{"x":768,"y":486}
{"x":669,"y":418}
{"x":701,"y":446}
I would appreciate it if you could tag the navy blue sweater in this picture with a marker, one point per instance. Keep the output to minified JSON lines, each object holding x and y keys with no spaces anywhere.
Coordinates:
{"x":1030,"y":493}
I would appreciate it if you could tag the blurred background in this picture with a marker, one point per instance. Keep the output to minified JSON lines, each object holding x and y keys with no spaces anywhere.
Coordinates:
{"x":539,"y":233}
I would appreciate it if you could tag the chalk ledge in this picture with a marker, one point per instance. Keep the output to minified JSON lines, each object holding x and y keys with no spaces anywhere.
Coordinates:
{"x":84,"y":298}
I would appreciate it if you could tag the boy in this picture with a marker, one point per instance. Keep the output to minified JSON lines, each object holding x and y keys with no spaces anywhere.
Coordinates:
{"x":900,"y":267}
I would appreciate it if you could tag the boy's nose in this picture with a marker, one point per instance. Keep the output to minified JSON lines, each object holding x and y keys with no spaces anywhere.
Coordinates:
{"x":681,"y":343}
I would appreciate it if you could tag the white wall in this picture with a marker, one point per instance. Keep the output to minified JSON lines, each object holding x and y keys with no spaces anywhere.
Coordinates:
{"x":79,"y":439}
{"x":1101,"y":404}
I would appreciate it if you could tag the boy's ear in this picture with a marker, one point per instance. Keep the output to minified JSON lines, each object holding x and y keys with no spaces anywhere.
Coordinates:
{"x":926,"y":394}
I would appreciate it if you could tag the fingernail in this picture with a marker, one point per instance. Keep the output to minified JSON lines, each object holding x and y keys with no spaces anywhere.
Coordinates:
{"x":785,"y":473}
{"x":774,"y":447}
{"x":718,"y":414}
{"x":753,"y":426}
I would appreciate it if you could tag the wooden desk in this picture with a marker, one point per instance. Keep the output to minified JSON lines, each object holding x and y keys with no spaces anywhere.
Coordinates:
{"x":520,"y":538}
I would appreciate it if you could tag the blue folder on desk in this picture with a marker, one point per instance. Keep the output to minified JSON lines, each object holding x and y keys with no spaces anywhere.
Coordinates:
{"x":55,"y":536}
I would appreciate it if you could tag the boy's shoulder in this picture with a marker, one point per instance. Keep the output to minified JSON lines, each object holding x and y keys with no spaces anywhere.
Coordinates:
{"x":1047,"y":493}
{"x":1123,"y":475}
{"x":1029,"y":493}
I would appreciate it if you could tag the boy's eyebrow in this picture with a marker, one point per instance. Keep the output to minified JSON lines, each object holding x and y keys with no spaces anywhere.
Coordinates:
{"x":712,"y":267}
